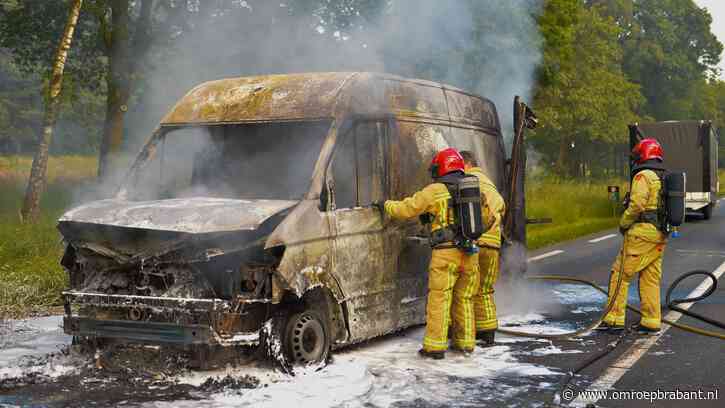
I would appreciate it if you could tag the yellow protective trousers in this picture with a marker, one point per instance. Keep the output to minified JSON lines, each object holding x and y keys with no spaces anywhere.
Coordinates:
{"x":483,"y":302}
{"x":452,"y":282}
{"x":643,"y":257}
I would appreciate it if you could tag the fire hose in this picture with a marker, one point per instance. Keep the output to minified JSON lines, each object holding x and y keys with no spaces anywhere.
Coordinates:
{"x":671,"y":304}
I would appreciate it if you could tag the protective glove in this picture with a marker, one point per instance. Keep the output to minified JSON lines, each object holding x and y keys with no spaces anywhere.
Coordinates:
{"x":380,"y":205}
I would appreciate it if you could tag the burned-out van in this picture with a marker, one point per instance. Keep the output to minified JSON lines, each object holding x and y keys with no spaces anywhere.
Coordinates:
{"x":248,"y":215}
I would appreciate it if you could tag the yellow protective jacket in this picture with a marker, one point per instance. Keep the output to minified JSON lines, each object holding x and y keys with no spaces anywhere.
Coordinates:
{"x":493,"y":209}
{"x":644,"y":196}
{"x":433,"y":199}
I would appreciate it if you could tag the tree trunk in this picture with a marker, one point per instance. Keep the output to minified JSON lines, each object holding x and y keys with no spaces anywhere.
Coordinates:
{"x":38,"y":173}
{"x":118,"y":81}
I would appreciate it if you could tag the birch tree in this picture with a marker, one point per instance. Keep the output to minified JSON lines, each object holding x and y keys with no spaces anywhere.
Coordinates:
{"x":38,"y":173}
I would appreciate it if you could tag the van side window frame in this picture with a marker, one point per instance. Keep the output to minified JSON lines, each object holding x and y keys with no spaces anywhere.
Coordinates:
{"x":386,"y":123}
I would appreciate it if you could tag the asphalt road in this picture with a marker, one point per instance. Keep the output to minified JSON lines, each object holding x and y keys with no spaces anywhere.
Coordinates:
{"x":387,"y":372}
{"x":677,"y":360}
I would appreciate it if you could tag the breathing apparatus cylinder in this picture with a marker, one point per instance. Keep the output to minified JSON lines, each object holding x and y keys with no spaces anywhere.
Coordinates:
{"x":675,"y":187}
{"x":467,"y":201}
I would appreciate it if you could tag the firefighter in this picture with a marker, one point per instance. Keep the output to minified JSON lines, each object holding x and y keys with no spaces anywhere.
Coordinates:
{"x":453,"y":272}
{"x":644,"y":241}
{"x":488,"y":256}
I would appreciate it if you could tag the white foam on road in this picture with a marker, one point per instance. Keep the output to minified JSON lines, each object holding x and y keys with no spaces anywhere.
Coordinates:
{"x":569,"y":294}
{"x":384,"y":372}
{"x":546,"y":255}
{"x":552,"y":349}
{"x":600,"y":239}
{"x":380,"y":373}
{"x":23,"y":342}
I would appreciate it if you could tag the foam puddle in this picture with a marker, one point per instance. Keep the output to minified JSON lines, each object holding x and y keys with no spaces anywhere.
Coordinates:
{"x":30,"y":348}
{"x":380,"y":373}
{"x":389,"y":371}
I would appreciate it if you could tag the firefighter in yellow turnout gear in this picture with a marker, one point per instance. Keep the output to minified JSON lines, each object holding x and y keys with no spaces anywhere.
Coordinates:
{"x":453,"y":274}
{"x":644,"y":243}
{"x":488,"y":256}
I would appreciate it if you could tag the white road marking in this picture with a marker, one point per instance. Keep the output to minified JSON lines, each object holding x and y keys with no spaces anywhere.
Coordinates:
{"x":625,"y":362}
{"x":546,"y":255}
{"x":701,"y":253}
{"x":595,"y":240}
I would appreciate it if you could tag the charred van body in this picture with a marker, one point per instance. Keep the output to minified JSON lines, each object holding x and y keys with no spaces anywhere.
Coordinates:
{"x":249,"y":214}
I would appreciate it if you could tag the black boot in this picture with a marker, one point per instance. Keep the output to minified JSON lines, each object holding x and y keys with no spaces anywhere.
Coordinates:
{"x":645,"y":330}
{"x":435,"y":355}
{"x":485,"y":338}
{"x":604,"y":326}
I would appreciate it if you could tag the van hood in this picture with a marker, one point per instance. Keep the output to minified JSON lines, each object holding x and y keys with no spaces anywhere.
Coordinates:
{"x":195,"y":215}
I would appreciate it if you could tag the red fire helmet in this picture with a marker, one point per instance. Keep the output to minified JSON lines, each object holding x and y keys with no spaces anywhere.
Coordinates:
{"x":647,"y":149}
{"x":446,"y":161}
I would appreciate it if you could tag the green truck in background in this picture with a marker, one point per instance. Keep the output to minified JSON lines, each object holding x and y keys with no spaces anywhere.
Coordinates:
{"x":690,"y":147}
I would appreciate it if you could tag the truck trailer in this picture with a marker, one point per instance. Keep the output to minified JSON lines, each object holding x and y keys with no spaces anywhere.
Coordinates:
{"x":690,"y":147}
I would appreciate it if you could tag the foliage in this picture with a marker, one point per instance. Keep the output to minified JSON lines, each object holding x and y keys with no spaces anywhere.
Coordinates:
{"x":584,"y":99}
{"x":21,"y":112}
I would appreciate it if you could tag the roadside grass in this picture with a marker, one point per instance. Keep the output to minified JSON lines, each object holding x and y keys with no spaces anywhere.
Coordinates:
{"x":577,"y":208}
{"x":69,"y":168}
{"x":31,"y":278}
{"x":721,"y":176}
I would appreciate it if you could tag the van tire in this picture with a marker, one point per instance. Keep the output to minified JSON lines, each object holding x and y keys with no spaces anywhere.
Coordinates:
{"x":707,"y":212}
{"x":306,"y":338}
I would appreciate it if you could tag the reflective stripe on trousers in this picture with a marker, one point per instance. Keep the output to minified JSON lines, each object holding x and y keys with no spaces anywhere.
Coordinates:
{"x":645,"y":258}
{"x":483,"y":302}
{"x":452,"y":283}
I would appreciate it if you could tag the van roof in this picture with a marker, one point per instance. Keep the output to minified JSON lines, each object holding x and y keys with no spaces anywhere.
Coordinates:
{"x":310,"y":96}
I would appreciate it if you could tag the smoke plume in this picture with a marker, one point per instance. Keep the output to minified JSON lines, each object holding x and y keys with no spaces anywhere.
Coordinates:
{"x":488,"y":47}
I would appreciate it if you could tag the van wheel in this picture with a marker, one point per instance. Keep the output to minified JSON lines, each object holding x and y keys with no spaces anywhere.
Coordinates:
{"x":707,"y":212}
{"x":307,"y":338}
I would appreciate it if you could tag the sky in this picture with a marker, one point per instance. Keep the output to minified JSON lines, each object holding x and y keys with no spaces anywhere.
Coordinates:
{"x":717,"y":10}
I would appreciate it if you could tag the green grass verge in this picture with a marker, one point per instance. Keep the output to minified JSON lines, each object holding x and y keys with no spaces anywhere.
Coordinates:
{"x":576,"y":208}
{"x":31,"y":278}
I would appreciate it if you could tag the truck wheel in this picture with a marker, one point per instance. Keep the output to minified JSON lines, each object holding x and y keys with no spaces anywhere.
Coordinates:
{"x":307,"y":338}
{"x":707,"y":212}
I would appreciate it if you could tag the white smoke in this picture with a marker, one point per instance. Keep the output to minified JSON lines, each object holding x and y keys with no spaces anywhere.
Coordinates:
{"x":490,"y":47}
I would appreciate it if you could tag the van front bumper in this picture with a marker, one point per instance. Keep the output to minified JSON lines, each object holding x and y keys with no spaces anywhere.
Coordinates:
{"x":146,"y":332}
{"x":210,"y":316}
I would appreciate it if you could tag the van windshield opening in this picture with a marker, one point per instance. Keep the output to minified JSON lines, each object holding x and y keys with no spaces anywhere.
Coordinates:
{"x":271,"y":161}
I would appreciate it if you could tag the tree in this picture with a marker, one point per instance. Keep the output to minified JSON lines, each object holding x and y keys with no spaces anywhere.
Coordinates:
{"x":668,"y":49}
{"x":114,"y":37}
{"x":19,"y":107}
{"x":584,"y":99}
{"x":36,"y":183}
